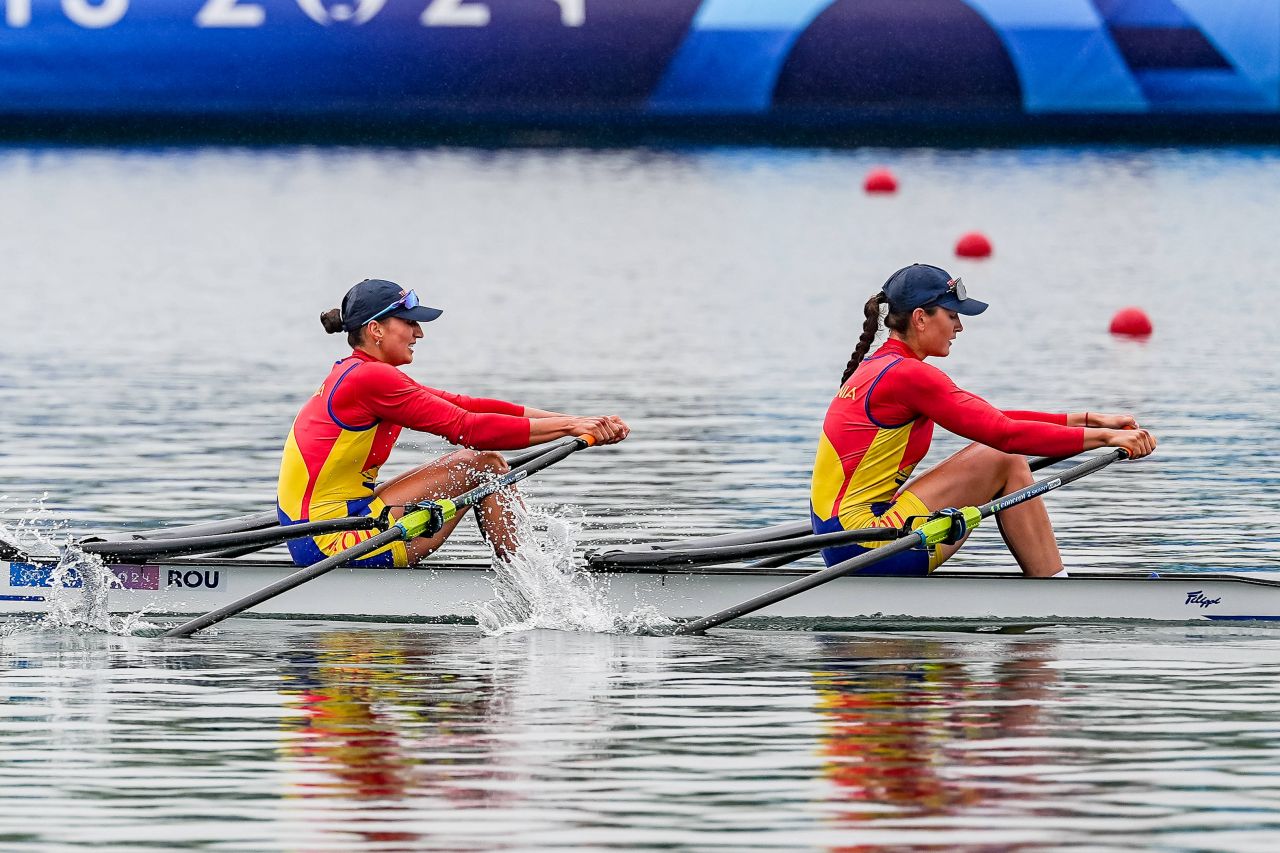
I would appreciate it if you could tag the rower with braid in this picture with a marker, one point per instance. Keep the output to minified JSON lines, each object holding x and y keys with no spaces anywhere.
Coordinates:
{"x":880,"y":424}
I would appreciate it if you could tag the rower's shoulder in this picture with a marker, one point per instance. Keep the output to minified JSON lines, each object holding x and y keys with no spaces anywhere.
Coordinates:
{"x":371,"y":373}
{"x":905,"y":370}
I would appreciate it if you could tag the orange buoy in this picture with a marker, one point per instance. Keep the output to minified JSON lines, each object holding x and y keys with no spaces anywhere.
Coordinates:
{"x":973,"y":245}
{"x":1131,"y":322}
{"x":880,"y":180}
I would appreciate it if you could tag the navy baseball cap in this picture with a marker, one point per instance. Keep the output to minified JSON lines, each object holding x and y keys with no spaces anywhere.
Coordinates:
{"x":375,"y":298}
{"x":923,"y":285}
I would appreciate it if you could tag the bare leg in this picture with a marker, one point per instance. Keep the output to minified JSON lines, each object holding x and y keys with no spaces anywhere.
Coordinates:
{"x":977,"y":474}
{"x":447,"y":476}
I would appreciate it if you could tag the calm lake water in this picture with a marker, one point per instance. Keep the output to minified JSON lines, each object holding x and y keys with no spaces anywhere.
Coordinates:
{"x":161,"y":331}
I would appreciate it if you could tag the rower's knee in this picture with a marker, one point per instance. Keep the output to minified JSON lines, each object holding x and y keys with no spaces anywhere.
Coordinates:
{"x":486,"y":461}
{"x":1009,"y":468}
{"x":492,"y":460}
{"x":1016,"y":467}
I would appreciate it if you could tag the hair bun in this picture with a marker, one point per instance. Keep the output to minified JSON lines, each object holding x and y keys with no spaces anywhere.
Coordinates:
{"x":332,"y":320}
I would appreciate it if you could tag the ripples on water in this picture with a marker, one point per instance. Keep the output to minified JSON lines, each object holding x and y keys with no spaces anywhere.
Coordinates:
{"x":161,"y":333}
{"x":315,"y":737}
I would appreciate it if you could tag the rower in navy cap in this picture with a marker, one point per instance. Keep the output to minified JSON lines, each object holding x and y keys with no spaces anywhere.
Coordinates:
{"x":346,"y":430}
{"x":880,"y":424}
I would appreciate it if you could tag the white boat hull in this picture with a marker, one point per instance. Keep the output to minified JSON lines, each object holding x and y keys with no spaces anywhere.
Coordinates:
{"x":449,"y":593}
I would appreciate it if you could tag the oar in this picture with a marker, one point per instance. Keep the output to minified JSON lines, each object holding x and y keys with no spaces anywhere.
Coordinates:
{"x":422,"y":519}
{"x":947,"y":526}
{"x":521,"y":457}
{"x":793,"y":549}
{"x":787,"y":559}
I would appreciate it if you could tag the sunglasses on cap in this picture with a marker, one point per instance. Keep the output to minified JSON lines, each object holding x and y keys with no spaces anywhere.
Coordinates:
{"x":955,"y":286}
{"x":408,"y":299}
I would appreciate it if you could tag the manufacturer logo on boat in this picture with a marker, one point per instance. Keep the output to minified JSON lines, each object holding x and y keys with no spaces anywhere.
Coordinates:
{"x":1198,"y":597}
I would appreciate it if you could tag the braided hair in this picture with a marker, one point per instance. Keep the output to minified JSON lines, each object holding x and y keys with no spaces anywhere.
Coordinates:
{"x":895,"y":320}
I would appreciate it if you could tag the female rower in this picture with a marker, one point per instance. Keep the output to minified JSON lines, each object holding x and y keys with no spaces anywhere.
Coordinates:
{"x":347,"y":429}
{"x":880,"y":424}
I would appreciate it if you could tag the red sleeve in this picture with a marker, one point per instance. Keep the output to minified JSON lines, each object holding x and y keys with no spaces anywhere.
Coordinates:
{"x":1059,"y":418}
{"x":479,"y":404}
{"x":383,"y":392}
{"x":919,"y":388}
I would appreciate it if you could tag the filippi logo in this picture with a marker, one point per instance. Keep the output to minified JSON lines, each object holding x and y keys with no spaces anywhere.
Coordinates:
{"x":1198,"y":597}
{"x":355,"y":12}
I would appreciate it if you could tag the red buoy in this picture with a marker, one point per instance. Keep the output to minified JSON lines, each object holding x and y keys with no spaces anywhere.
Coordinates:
{"x":973,"y":245}
{"x":1131,"y":322}
{"x":880,"y":180}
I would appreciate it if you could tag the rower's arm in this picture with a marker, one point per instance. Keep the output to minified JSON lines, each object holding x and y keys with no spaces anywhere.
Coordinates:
{"x":929,"y":391}
{"x":531,"y":412}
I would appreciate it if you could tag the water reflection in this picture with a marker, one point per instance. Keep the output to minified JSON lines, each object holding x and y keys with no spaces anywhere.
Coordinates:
{"x":897,"y":708}
{"x":301,"y":736}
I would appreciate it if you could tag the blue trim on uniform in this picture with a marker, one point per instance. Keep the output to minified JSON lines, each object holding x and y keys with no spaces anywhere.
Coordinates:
{"x":360,"y":506}
{"x":867,"y":399}
{"x":328,"y":403}
{"x":913,"y":563}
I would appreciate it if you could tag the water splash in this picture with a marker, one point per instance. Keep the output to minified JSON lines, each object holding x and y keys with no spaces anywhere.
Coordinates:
{"x":540,"y":587}
{"x":78,"y":596}
{"x":78,"y":583}
{"x":34,"y":529}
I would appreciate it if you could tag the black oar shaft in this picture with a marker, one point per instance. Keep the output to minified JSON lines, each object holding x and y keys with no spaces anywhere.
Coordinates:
{"x":1048,"y":484}
{"x":520,"y":457}
{"x":152,"y":549}
{"x":285,"y":584}
{"x":798,"y":586}
{"x":861,"y":561}
{"x":798,"y":547}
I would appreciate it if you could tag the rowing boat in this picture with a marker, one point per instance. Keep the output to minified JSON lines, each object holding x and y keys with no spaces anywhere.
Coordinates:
{"x":203,"y":569}
{"x":450,"y":592}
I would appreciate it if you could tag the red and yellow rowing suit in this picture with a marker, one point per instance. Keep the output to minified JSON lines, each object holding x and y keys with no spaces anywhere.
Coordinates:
{"x":346,"y":431}
{"x":879,"y":427}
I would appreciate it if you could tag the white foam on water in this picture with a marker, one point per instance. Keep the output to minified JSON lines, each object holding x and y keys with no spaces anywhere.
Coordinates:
{"x":77,"y":596}
{"x":78,"y":583}
{"x":540,"y":587}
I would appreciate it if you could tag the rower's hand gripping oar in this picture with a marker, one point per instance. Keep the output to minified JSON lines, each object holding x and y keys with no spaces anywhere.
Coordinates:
{"x":949,"y":525}
{"x":421,"y":519}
